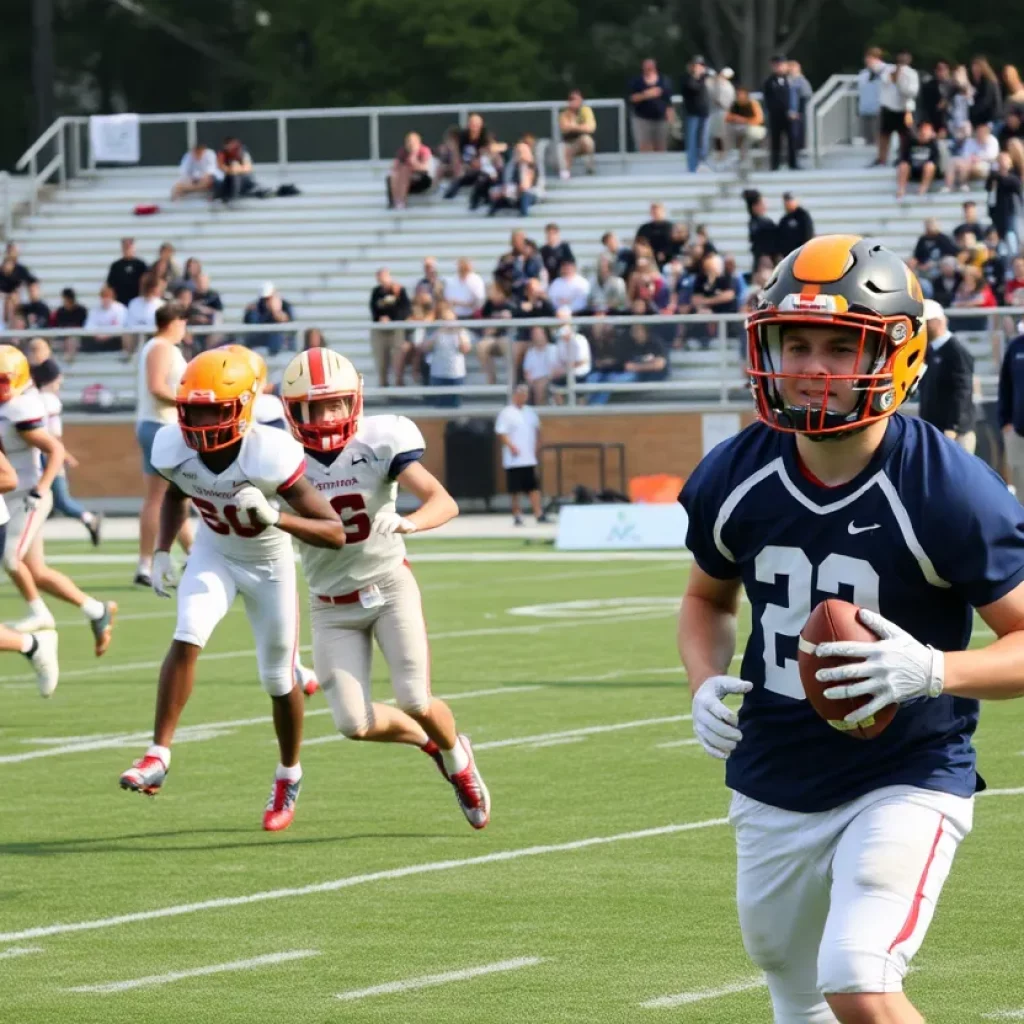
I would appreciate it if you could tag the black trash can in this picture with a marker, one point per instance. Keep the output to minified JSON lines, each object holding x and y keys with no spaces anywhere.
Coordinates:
{"x":469,"y":458}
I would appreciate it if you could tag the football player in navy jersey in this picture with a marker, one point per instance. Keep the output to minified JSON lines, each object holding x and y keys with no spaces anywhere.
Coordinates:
{"x":843,"y":844}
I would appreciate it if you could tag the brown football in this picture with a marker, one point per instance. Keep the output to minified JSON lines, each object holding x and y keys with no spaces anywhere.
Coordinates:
{"x":837,"y":620}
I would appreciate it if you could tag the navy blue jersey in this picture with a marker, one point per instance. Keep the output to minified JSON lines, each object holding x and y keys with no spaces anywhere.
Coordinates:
{"x":924,"y":533}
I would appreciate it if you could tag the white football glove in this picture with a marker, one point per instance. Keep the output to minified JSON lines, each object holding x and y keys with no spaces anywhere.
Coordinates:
{"x":713,"y":722}
{"x":32,"y":500}
{"x":386,"y":524}
{"x":252,"y":499}
{"x":894,"y":669}
{"x":163,"y":574}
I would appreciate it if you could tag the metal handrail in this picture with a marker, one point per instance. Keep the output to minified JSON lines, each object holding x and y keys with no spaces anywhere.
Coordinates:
{"x":43,"y":139}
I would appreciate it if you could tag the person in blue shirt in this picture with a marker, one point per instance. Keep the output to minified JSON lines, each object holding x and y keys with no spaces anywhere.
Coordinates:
{"x":843,"y":844}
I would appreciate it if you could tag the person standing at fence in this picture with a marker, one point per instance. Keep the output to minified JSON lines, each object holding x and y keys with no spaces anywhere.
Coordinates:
{"x":947,"y":388}
{"x":778,"y":106}
{"x":1011,"y":411}
{"x":518,"y":430}
{"x":161,"y":365}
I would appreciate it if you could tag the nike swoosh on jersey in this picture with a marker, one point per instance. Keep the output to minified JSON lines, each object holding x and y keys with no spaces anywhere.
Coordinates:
{"x":854,"y":530}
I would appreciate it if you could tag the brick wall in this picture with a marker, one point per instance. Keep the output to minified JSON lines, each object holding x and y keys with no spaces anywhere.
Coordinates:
{"x":663,"y":442}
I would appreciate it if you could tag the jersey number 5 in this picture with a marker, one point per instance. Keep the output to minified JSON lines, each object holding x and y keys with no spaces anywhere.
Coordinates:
{"x":233,"y":525}
{"x":357,"y":526}
{"x":782,"y":674}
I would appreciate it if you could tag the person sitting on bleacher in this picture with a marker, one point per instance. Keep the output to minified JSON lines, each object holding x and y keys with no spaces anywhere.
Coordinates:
{"x":920,"y":159}
{"x":519,"y":264}
{"x":930,"y":248}
{"x":976,"y":158}
{"x":472,"y":139}
{"x":411,"y":171}
{"x":491,"y":166}
{"x":235,"y":166}
{"x":657,"y":232}
{"x":947,"y":283}
{"x":518,"y":186}
{"x":572,"y":351}
{"x":744,"y":123}
{"x":109,"y":315}
{"x":198,"y":172}
{"x":640,"y":354}
{"x":271,"y":308}
{"x":570,"y":288}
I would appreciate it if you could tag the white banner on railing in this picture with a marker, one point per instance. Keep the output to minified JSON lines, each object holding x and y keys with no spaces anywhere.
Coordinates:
{"x":616,"y":527}
{"x":114,"y":138}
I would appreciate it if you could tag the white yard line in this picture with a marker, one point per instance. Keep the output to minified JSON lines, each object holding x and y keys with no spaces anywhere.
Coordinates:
{"x":16,"y":951}
{"x":1004,"y":1015}
{"x":675,"y":743}
{"x":337,"y":884}
{"x":1019,"y":791}
{"x":108,"y":987}
{"x":591,"y":730}
{"x":560,"y":742}
{"x":702,"y":995}
{"x":446,"y":978}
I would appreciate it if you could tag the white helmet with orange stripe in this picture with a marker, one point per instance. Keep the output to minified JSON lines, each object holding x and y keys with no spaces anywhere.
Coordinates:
{"x":323,"y":399}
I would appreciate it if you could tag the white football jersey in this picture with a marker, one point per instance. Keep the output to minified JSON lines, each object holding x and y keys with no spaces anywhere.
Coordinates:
{"x":24,"y":412}
{"x":359,"y":483}
{"x":268,"y":459}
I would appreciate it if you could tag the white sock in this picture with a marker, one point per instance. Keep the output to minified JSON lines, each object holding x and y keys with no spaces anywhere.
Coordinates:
{"x":38,"y":607}
{"x":92,"y":609}
{"x":88,"y":518}
{"x":164,"y":753}
{"x":455,"y":760}
{"x":292,"y":774}
{"x":26,"y":643}
{"x":145,"y":566}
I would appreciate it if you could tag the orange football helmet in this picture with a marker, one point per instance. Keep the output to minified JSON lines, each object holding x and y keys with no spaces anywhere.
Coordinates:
{"x":227,"y":380}
{"x":14,"y":372}
{"x":843,"y":281}
{"x":314,"y":376}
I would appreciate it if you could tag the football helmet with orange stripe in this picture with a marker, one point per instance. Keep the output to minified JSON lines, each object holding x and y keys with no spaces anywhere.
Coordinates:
{"x":874,"y":304}
{"x":217,"y":396}
{"x":14,"y":372}
{"x":323,"y":399}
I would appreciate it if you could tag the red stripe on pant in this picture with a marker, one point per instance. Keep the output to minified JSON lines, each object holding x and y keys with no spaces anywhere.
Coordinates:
{"x":26,"y":535}
{"x":915,"y":908}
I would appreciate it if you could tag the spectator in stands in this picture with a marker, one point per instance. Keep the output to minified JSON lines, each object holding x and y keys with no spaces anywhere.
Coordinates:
{"x":1011,"y":139}
{"x":973,"y":293}
{"x":447,"y":346}
{"x":620,"y":255}
{"x":744,"y":123}
{"x":206,"y":303}
{"x":739,"y":282}
{"x":431,"y":283}
{"x":761,"y":228}
{"x":471,"y":140}
{"x":869,"y":87}
{"x":987,"y":102}
{"x":930,"y":248}
{"x":35,"y":312}
{"x":554,"y":252}
{"x":1012,"y":91}
{"x":518,"y":186}
{"x":534,"y":305}
{"x":996,"y":265}
{"x":10,"y":284}
{"x":161,"y":366}
{"x":488,"y":175}
{"x":518,"y":265}
{"x":538,"y":365}
{"x":109,"y":315}
{"x":1014,"y":289}
{"x":572,"y":353}
{"x":570,"y":289}
{"x":37,"y":351}
{"x":389,"y":303}
{"x":975,"y":160}
{"x":187,"y":279}
{"x":958,"y":122}
{"x":648,"y":284}
{"x":410,"y":353}
{"x":270,"y":308}
{"x":900,"y":86}
{"x":1004,"y":200}
{"x":499,"y":306}
{"x":971,"y":224}
{"x":465,"y":293}
{"x":947,"y":283}
{"x":18,"y":271}
{"x":641,"y":355}
{"x":794,"y":228}
{"x":947,"y":389}
{"x":164,"y":266}
{"x":518,"y":429}
{"x":697,"y":107}
{"x":142,"y":309}
{"x":313,"y":337}
{"x":235,"y":166}
{"x":447,"y":152}
{"x":800,"y":93}
{"x":658,"y":233}
{"x":576,"y":126}
{"x":411,"y":171}
{"x":714,"y":291}
{"x":70,"y":313}
{"x":721,"y":96}
{"x":936,"y":98}
{"x":650,"y":96}
{"x":197,"y":172}
{"x":125,"y":274}
{"x":778,"y":102}
{"x":919,"y":159}
{"x":607,"y":289}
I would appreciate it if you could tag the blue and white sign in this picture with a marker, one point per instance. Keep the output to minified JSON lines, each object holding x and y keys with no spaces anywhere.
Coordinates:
{"x":621,"y":527}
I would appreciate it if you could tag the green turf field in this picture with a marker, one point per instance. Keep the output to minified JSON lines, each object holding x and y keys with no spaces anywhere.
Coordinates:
{"x":604,"y":881}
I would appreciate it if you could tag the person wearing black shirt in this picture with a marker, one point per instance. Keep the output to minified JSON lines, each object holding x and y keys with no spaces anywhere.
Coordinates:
{"x":650,"y":95}
{"x":698,"y":107}
{"x":555,"y":252}
{"x":987,"y":100}
{"x":35,"y":311}
{"x":935,"y":97}
{"x":70,"y":313}
{"x":795,"y":227}
{"x":777,"y":101}
{"x":1004,"y":198}
{"x":388,"y":303}
{"x":623,"y":258}
{"x":472,"y":140}
{"x":761,"y":229}
{"x":518,"y":265}
{"x":657,"y":232}
{"x":533,"y":304}
{"x":919,"y":159}
{"x":9,"y":281}
{"x":125,"y":274}
{"x":947,"y":388}
{"x":930,"y":248}
{"x":20,"y":272}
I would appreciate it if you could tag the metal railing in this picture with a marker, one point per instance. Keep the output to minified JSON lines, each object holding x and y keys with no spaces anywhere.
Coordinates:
{"x":832,"y":118}
{"x":711,"y":375}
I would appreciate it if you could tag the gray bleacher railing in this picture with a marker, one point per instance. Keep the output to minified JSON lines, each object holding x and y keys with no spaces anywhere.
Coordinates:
{"x":832,"y":118}
{"x":985,"y":328}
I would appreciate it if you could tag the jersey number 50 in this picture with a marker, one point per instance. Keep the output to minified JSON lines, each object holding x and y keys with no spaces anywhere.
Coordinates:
{"x":778,"y":621}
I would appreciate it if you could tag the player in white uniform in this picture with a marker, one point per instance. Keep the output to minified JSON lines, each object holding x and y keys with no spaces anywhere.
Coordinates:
{"x":40,"y":647}
{"x":24,"y":436}
{"x":367,"y":589}
{"x":232,"y":469}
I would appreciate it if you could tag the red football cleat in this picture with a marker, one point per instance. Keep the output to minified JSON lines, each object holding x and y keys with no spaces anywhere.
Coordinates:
{"x":146,"y":775}
{"x":281,"y":805}
{"x":472,"y":794}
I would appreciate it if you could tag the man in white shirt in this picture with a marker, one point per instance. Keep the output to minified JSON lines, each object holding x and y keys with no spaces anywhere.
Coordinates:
{"x":898,"y":100}
{"x":465,"y":293}
{"x":518,"y":430}
{"x":571,"y":350}
{"x":975,"y":161}
{"x":198,"y":172}
{"x":108,"y":315}
{"x":570,"y":288}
